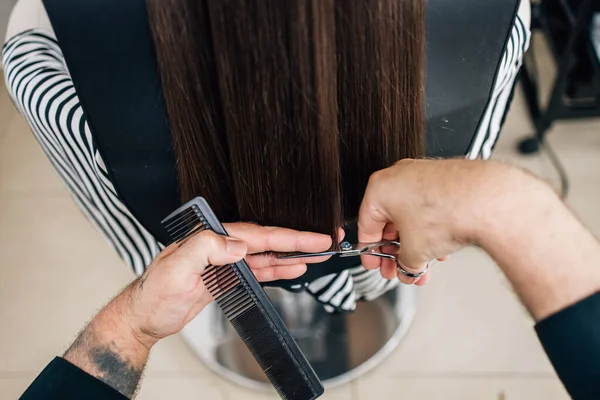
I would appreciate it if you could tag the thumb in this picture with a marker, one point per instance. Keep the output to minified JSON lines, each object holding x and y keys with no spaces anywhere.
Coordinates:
{"x":208,"y":248}
{"x":371,"y":221}
{"x":371,"y":224}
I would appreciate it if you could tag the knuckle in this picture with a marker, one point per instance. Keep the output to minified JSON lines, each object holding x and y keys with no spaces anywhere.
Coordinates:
{"x":405,"y":161}
{"x":208,"y":239}
{"x":376,"y":176}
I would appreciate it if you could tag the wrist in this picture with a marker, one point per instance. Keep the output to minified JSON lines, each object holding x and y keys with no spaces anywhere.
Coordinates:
{"x":513,"y":200}
{"x":123,"y":315}
{"x":475,"y":197}
{"x":109,"y":349}
{"x":545,"y":252}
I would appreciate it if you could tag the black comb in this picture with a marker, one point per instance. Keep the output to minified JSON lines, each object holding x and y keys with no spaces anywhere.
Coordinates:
{"x":248,"y":308}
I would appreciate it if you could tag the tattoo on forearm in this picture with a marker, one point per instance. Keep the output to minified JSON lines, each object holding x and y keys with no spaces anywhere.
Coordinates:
{"x":106,"y":363}
{"x":116,"y":372}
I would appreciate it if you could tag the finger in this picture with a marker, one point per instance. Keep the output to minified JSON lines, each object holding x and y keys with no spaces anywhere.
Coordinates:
{"x":443,"y":258}
{"x":410,"y":256}
{"x":415,"y":268}
{"x":264,"y":260}
{"x":208,"y":248}
{"x":268,"y":238}
{"x":371,"y":222}
{"x":405,"y":279}
{"x":276,"y":273}
{"x":408,"y":279}
{"x":390,"y":232}
{"x":258,"y":261}
{"x":371,"y":219}
{"x":388,"y":269}
{"x":370,"y":262}
{"x":341,"y":234}
{"x":424,"y":280}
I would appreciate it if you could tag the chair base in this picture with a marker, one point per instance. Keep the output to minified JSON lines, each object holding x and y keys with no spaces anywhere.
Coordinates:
{"x":340,"y":347}
{"x":529,"y":145}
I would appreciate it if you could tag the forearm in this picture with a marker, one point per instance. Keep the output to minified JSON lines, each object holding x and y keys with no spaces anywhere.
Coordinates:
{"x":114,"y":347}
{"x":109,"y":350}
{"x":550,"y":258}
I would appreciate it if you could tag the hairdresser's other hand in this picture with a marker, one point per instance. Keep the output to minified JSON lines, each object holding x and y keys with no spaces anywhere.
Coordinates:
{"x":265,"y":239}
{"x":171,"y":291}
{"x":432,"y":206}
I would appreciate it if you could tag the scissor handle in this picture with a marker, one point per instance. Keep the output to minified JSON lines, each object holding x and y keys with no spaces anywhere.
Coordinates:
{"x":366,"y":246}
{"x":381,"y":255}
{"x":351,"y":250}
{"x":369,"y":249}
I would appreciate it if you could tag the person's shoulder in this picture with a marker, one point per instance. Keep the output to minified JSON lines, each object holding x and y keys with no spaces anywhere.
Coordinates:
{"x":26,"y":16}
{"x":28,"y":22}
{"x":33,"y":45}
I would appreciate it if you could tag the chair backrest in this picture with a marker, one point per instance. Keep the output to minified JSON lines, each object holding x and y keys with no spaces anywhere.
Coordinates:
{"x":465,"y":44}
{"x":110,"y":54}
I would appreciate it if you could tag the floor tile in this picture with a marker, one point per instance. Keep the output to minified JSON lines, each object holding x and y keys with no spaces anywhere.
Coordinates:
{"x":6,"y":108}
{"x":172,"y":356}
{"x":55,"y":272}
{"x":459,"y":388}
{"x":24,"y":168}
{"x":468,"y":320}
{"x":12,"y":388}
{"x":157,"y":388}
{"x":235,"y":392}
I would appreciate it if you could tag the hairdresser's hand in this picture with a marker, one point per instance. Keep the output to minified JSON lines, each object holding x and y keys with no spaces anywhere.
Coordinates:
{"x":115,"y":345}
{"x":265,"y":239}
{"x":171,"y":291}
{"x":432,"y":206}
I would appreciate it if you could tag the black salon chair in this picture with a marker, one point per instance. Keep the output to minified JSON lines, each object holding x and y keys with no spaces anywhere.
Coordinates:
{"x":109,"y":52}
{"x":567,"y":27}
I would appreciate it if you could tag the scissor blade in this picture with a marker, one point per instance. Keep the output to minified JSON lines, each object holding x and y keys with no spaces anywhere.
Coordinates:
{"x":304,"y":255}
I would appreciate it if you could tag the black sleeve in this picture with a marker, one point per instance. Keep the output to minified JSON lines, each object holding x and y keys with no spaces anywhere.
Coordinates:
{"x":571,"y":339}
{"x":62,"y":380}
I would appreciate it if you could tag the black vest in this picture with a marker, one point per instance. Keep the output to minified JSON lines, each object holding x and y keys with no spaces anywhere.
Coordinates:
{"x":109,"y":51}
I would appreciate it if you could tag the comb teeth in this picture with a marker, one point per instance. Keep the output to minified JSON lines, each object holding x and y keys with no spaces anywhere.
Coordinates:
{"x":186,"y":224}
{"x":219,"y":279}
{"x":226,"y":287}
{"x":248,"y":308}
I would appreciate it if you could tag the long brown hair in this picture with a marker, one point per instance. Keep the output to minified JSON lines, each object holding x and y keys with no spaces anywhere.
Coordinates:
{"x":281,"y":109}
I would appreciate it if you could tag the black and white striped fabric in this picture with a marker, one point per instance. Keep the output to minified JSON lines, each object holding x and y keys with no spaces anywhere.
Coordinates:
{"x":517,"y":45}
{"x":41,"y":88}
{"x":595,"y":33}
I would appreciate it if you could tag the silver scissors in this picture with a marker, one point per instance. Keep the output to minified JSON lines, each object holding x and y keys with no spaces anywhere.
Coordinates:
{"x":348,"y":249}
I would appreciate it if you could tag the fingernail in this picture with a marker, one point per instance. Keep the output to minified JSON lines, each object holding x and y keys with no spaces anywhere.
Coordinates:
{"x":235,"y":247}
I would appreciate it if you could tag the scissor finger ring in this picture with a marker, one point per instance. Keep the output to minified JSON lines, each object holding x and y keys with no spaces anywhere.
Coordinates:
{"x":410,"y":274}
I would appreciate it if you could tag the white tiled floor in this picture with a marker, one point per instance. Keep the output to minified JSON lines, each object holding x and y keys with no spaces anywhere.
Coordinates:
{"x":471,"y":338}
